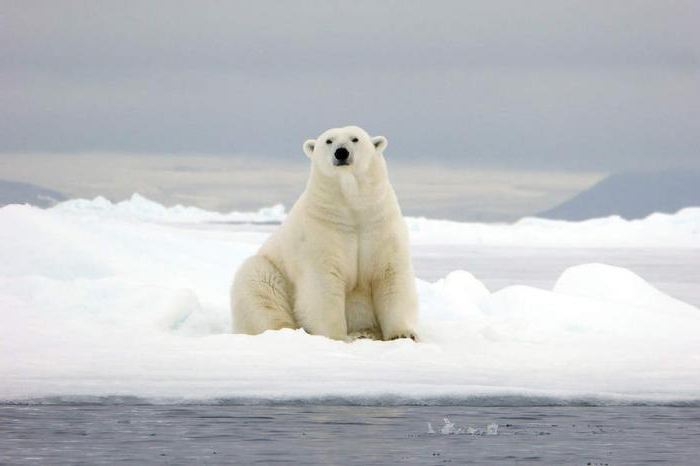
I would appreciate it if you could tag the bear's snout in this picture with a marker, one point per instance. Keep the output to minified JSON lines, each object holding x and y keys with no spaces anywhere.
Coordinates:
{"x":342,"y":156}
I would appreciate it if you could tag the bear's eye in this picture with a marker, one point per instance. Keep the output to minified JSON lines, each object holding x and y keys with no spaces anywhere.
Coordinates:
{"x":355,"y":139}
{"x":328,"y":141}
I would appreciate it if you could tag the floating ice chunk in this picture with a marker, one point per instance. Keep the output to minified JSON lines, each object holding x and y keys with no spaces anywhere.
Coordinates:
{"x":448,"y":428}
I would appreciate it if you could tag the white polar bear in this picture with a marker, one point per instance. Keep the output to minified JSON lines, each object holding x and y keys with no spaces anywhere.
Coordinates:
{"x":339,"y":265}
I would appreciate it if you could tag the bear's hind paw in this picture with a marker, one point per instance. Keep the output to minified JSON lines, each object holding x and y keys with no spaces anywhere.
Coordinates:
{"x":400,"y":335}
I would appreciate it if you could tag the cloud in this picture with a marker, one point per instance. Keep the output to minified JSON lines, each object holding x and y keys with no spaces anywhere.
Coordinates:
{"x":554,"y":84}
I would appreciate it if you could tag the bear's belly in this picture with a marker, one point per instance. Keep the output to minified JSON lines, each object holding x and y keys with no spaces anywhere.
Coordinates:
{"x":359,"y":311}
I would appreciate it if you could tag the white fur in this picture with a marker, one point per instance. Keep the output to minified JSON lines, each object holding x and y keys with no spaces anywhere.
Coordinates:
{"x":339,"y":265}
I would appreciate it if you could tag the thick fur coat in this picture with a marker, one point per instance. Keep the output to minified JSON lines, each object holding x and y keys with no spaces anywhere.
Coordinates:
{"x":339,"y":265}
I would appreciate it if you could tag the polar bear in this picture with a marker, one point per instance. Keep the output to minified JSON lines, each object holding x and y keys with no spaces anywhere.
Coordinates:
{"x":339,"y":265}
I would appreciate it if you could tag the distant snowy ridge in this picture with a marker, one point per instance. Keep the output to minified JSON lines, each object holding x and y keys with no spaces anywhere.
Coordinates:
{"x":679,"y":230}
{"x":103,"y":308}
{"x":142,"y":209}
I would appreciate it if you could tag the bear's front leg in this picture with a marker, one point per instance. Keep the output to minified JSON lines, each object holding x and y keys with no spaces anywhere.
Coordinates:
{"x":396,"y":301}
{"x":320,"y":305}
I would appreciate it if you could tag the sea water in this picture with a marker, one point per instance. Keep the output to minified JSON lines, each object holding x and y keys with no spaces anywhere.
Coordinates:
{"x":327,"y":434}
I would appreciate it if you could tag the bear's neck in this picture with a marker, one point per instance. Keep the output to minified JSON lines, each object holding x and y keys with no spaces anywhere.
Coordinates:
{"x":350,"y":199}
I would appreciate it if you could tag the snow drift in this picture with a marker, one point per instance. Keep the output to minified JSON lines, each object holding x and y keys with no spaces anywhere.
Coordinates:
{"x":681,"y":229}
{"x":139,"y":208}
{"x":105,"y":300}
{"x":658,"y":230}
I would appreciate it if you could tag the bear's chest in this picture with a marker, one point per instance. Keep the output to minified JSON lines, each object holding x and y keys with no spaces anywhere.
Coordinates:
{"x":360,"y":258}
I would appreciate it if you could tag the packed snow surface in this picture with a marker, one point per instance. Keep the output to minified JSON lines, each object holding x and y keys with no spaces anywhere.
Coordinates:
{"x":131,"y":300}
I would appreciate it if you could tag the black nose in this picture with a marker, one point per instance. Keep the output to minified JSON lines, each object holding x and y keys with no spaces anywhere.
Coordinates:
{"x":342,"y":154}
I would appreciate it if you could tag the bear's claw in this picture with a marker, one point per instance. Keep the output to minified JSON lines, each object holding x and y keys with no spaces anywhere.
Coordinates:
{"x":367,"y":334}
{"x":410,"y":335}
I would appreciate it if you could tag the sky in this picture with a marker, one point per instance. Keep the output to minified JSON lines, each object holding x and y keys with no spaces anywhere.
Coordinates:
{"x":566,"y":87}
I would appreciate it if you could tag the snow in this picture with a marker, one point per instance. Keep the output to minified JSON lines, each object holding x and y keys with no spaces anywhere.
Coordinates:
{"x":139,"y":208}
{"x":131,"y":300}
{"x":681,"y":229}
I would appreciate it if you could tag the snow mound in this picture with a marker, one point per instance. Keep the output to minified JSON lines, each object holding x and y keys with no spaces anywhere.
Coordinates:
{"x":96,"y":305}
{"x":681,"y":229}
{"x":142,"y":209}
{"x":615,"y":284}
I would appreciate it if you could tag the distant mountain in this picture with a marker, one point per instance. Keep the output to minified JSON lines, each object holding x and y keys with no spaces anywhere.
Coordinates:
{"x":632,"y":195}
{"x":13,"y":192}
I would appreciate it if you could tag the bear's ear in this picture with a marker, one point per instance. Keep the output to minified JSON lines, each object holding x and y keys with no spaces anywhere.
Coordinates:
{"x":309,"y":147}
{"x":380,"y":143}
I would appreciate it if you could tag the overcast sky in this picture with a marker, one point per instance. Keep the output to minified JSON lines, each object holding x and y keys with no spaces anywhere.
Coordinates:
{"x":589,"y":85}
{"x":493,"y":110}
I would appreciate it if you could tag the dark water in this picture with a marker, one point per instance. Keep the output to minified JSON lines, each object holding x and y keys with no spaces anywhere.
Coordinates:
{"x":187,"y":434}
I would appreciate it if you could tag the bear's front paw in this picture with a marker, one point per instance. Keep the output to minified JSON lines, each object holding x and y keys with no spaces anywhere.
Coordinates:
{"x":367,"y":334}
{"x":405,"y":334}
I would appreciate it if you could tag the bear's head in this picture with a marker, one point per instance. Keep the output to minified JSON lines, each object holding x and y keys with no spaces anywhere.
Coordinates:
{"x":340,"y":150}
